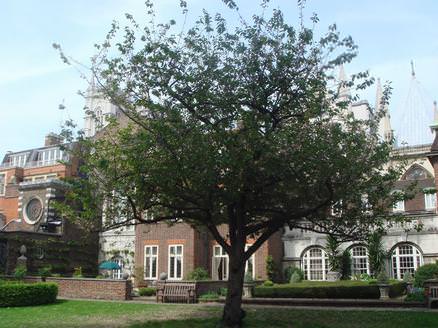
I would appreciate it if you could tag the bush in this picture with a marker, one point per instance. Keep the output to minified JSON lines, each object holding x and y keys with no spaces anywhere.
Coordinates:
{"x":20,"y":294}
{"x":345,"y":261}
{"x":295,"y":278}
{"x":425,"y":272}
{"x":416,"y":295}
{"x":248,"y":278}
{"x":223,"y":291}
{"x":45,"y":272}
{"x":289,"y":271}
{"x":342,"y":289}
{"x":199,"y":274}
{"x":209,"y":297}
{"x":20,"y":272}
{"x":268,"y":283}
{"x":147,"y":291}
{"x":270,"y":268}
{"x":77,"y":273}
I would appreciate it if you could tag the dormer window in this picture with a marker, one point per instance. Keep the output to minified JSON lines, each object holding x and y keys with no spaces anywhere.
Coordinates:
{"x":50,"y":156}
{"x":18,"y":160}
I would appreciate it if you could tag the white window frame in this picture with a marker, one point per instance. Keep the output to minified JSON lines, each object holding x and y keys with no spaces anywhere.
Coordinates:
{"x":19,"y":160}
{"x":430,"y":201}
{"x":399,"y":206}
{"x":150,"y":258}
{"x":226,"y":266}
{"x":417,"y":260}
{"x":306,"y":262}
{"x":3,"y":188}
{"x":253,"y":262}
{"x":353,"y":257}
{"x":118,"y":273}
{"x":172,"y":275}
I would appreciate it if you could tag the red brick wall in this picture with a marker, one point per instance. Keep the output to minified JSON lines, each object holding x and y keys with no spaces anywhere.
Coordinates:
{"x":102,"y":289}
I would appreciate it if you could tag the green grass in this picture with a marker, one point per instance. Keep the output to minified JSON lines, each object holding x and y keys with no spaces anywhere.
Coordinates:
{"x":134,"y":315}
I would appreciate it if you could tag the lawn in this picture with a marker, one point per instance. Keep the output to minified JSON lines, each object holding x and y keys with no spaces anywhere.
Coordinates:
{"x":118,"y":314}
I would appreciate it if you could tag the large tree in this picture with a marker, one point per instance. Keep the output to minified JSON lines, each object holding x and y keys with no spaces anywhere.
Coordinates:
{"x":244,"y":127}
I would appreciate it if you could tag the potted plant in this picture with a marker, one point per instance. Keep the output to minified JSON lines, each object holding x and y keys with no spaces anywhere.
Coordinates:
{"x":383,"y":284}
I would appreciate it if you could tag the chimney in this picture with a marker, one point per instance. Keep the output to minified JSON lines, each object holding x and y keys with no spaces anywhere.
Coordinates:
{"x":52,"y":139}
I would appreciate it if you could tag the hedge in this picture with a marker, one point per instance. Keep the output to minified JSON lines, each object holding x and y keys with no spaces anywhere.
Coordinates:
{"x":347,"y":291}
{"x":147,"y":291}
{"x":21,"y":294}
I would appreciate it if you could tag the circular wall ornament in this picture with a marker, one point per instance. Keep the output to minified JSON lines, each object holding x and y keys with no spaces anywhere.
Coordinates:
{"x":33,"y":210}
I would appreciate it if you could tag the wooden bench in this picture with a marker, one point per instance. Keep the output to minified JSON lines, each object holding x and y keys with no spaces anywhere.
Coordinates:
{"x":176,"y":292}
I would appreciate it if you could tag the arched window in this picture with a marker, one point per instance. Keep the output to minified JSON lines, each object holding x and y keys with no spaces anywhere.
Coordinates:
{"x":315,"y":264}
{"x":405,"y":258}
{"x":118,"y":274}
{"x":359,"y":260}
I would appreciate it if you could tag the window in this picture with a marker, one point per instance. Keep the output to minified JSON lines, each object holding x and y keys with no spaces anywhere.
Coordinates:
{"x":150,"y":262}
{"x":430,"y":201}
{"x":399,"y":206}
{"x":405,"y":258}
{"x":359,"y":260}
{"x":175,"y":262}
{"x":315,"y":264}
{"x":118,"y":273}
{"x":249,"y":265}
{"x":2,"y":183}
{"x":50,"y":156}
{"x":19,"y":159}
{"x":220,"y":263}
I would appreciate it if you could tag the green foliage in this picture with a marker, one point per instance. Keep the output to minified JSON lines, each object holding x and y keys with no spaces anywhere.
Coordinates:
{"x":271,"y":268}
{"x":209,"y":297}
{"x":20,"y":272}
{"x":408,"y":277}
{"x":147,"y":291}
{"x":45,"y":271}
{"x":99,"y":276}
{"x":289,"y":271}
{"x":425,"y":272}
{"x":382,"y":277}
{"x":376,"y":253}
{"x":223,"y":291}
{"x":77,"y":273}
{"x":198,"y":274}
{"x":248,"y":279}
{"x":296,"y":277}
{"x":20,"y":294}
{"x":333,"y":253}
{"x":339,"y":289}
{"x":416,"y":295}
{"x":268,"y":283}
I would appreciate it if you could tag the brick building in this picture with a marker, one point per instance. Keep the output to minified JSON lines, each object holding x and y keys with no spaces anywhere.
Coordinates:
{"x":178,"y":249}
{"x":30,"y":182}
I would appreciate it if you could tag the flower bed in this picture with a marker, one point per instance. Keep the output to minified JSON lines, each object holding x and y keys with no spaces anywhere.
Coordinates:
{"x":22,"y":294}
{"x":321,"y":289}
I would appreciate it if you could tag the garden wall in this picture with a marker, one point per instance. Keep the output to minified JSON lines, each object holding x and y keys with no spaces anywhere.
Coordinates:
{"x":89,"y":288}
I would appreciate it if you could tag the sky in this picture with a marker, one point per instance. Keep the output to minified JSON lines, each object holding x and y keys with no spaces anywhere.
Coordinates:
{"x":34,"y":81}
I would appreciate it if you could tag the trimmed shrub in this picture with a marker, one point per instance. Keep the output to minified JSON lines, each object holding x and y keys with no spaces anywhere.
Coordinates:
{"x":147,"y":291}
{"x":198,"y":274}
{"x":209,"y":297}
{"x":425,"y":272}
{"x":416,"y":295}
{"x":342,"y":289}
{"x":295,"y":278}
{"x":20,"y":272}
{"x":397,"y":289}
{"x":289,"y":271}
{"x":270,"y":268}
{"x":268,"y":283}
{"x":20,"y":294}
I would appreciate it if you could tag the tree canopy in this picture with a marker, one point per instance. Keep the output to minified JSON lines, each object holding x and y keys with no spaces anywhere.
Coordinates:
{"x":244,"y":126}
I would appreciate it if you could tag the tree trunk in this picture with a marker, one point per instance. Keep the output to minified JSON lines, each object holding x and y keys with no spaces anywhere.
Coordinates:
{"x":233,"y":313}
